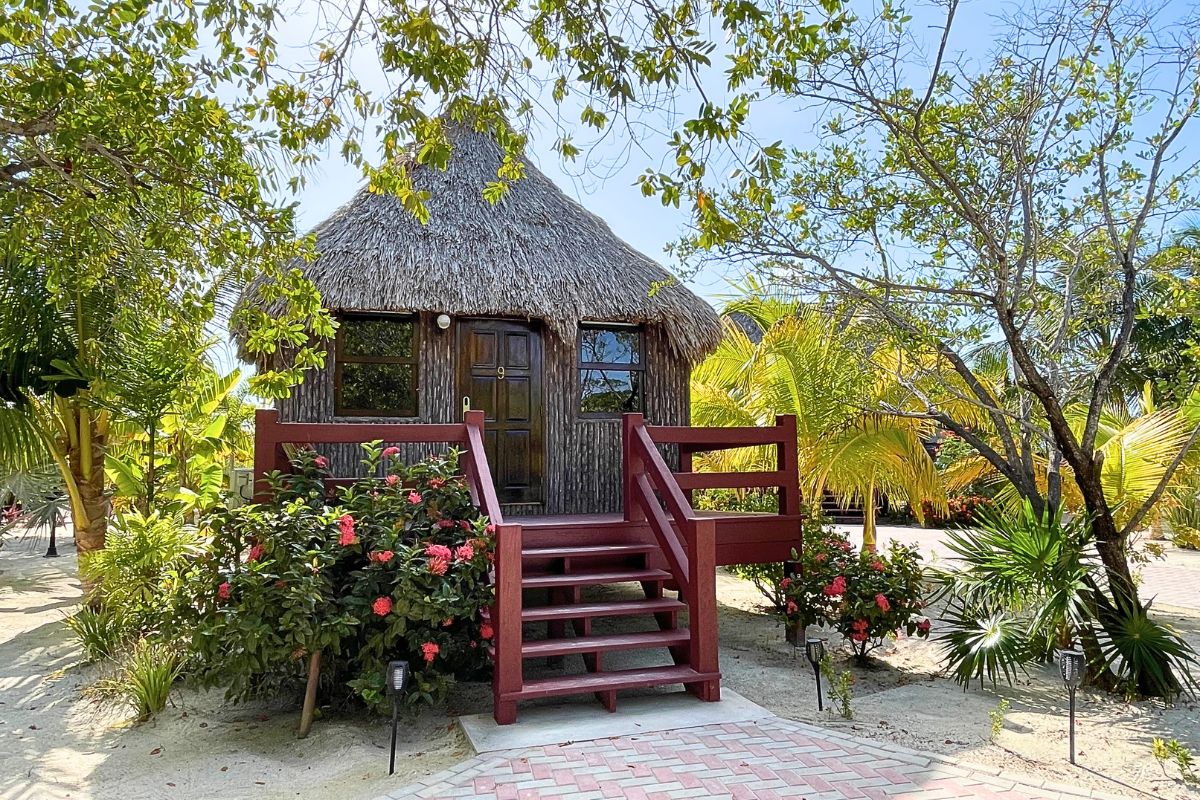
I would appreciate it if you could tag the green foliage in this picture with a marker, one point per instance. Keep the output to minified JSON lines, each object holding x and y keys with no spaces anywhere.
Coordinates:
{"x":1186,"y":538}
{"x":1025,"y":585}
{"x":1172,"y":750}
{"x":865,"y":596}
{"x":996,"y":717}
{"x":144,"y":678}
{"x":396,"y":568}
{"x":1183,"y":515}
{"x":99,"y":631}
{"x":838,"y":687}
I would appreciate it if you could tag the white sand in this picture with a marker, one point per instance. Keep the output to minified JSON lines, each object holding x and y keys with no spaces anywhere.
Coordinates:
{"x":54,"y":743}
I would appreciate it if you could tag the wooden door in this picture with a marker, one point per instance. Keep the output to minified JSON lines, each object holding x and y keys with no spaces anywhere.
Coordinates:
{"x":500,"y":371}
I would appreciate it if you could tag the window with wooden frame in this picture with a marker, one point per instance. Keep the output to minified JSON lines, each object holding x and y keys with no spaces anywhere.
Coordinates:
{"x":611,"y":368}
{"x":375,"y":367}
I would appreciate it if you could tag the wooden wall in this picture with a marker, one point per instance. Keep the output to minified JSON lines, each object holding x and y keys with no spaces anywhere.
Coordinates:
{"x":583,"y":456}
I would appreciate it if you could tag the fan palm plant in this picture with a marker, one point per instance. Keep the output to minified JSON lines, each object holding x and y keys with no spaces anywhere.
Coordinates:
{"x":787,"y":358}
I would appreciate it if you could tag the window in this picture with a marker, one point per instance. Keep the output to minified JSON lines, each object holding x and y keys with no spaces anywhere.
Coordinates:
{"x":610,"y":370}
{"x":375,"y":371}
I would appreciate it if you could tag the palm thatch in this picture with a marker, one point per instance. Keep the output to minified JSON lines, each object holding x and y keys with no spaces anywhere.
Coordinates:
{"x":536,"y":254}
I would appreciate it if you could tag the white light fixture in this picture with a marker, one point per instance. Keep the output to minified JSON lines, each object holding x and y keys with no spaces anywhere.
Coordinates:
{"x":443,"y":321}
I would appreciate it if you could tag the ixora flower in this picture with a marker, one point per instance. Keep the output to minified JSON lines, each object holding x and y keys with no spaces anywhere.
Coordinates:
{"x":836,"y":588}
{"x":785,"y":583}
{"x":490,"y":528}
{"x":858,"y":630}
{"x":430,"y":650}
{"x":414,"y":498}
{"x":380,"y":556}
{"x":388,"y":452}
{"x":923,"y":625}
{"x":882,"y":602}
{"x":438,"y":551}
{"x":224,"y":590}
{"x":445,"y":523}
{"x":321,"y":462}
{"x":792,"y":608}
{"x":256,"y":553}
{"x":464,"y":553}
{"x":485,"y":631}
{"x":878,"y":565}
{"x":346,"y":524}
{"x":392,"y":480}
{"x":437,"y":483}
{"x":438,"y":566}
{"x":382,"y":606}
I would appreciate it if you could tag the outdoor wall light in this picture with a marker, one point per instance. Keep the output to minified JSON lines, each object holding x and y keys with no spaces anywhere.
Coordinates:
{"x":815,"y":650}
{"x":1070,"y":664}
{"x":397,"y":679}
{"x":443,"y":321}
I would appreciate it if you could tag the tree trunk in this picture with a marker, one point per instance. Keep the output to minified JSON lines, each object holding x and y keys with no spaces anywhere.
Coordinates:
{"x":869,"y":538}
{"x":86,"y":460}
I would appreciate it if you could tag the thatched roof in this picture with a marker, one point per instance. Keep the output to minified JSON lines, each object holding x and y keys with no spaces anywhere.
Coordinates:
{"x":537,"y":254}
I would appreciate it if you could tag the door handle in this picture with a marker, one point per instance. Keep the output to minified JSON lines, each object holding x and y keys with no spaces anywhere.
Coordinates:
{"x":500,"y":373}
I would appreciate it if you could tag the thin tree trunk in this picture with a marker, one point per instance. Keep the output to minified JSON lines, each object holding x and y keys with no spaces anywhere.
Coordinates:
{"x":869,"y":538}
{"x":86,"y":460}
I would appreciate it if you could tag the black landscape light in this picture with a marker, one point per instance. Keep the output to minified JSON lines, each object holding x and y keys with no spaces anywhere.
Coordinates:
{"x":397,"y":679}
{"x":814,"y":648}
{"x":1070,"y":664}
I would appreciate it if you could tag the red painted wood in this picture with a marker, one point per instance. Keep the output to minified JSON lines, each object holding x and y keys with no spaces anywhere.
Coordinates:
{"x":631,"y":466}
{"x":668,"y":539}
{"x":266,"y":451}
{"x":619,"y":679}
{"x":701,"y":439}
{"x":604,"y":644}
{"x":593,"y":578}
{"x":507,"y":675}
{"x":731,"y":480}
{"x":616,"y":608}
{"x":702,"y":645}
{"x":587,"y":551}
{"x":479,"y":471}
{"x":789,"y":463}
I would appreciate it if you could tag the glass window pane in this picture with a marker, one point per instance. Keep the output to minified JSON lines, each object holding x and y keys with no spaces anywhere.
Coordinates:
{"x":391,"y":338}
{"x":389,"y":389}
{"x":608,"y":391}
{"x":609,"y":346}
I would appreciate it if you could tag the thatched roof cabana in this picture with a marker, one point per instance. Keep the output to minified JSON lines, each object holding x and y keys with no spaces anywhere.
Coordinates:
{"x":536,"y":254}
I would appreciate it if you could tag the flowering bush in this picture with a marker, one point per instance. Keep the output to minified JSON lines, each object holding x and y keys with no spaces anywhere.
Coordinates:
{"x":865,"y":596}
{"x":395,"y":568}
{"x":961,"y":511}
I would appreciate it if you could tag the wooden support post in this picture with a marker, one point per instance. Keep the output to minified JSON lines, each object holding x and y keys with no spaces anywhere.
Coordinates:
{"x":631,"y":467}
{"x":702,"y":606}
{"x":310,"y":694}
{"x":507,"y":674}
{"x":266,"y":451}
{"x":788,"y":461}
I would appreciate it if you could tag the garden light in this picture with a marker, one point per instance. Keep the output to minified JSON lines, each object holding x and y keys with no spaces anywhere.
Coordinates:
{"x":814,"y":648}
{"x":1070,"y":664}
{"x":397,"y":679}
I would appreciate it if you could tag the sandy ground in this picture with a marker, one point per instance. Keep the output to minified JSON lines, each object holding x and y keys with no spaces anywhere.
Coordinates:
{"x":56,"y":743}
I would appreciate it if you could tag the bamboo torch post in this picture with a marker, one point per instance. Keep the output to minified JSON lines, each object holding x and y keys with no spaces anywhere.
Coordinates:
{"x":310,"y":694}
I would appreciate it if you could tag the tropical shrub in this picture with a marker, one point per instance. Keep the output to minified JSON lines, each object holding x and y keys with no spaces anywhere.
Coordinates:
{"x":99,"y":632}
{"x":394,"y":568}
{"x":144,"y":678}
{"x":865,"y":596}
{"x":1021,"y":586}
{"x":961,"y":510}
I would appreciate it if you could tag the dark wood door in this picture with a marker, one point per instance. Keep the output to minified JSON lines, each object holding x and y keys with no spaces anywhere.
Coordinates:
{"x":500,"y":371}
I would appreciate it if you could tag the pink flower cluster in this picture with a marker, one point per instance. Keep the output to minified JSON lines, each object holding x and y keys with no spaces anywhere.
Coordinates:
{"x":430,"y":650}
{"x":380,"y":556}
{"x":859,"y":630}
{"x":837,"y":587}
{"x":882,"y":602}
{"x":388,"y":452}
{"x":256,"y":553}
{"x":382,"y":606}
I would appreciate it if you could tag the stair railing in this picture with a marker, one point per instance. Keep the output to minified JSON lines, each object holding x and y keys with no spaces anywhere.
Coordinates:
{"x":687,"y":541}
{"x":505,"y":616}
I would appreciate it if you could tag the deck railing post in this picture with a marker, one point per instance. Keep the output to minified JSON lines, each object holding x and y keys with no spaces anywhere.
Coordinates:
{"x":266,"y":451}
{"x":702,"y":606}
{"x":631,"y":466}
{"x":789,"y":463}
{"x":507,"y":677}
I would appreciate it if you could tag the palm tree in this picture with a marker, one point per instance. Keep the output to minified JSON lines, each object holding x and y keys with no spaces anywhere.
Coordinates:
{"x":780,"y":356}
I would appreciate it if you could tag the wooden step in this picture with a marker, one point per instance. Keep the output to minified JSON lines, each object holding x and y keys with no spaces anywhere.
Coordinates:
{"x":603,"y":644}
{"x":589,"y":551}
{"x":554,"y":580}
{"x":616,"y":608}
{"x":609,"y":681}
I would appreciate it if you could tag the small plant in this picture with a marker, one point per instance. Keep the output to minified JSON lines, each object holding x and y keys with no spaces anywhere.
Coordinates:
{"x":1186,"y":538}
{"x":144,"y":680}
{"x":1172,"y":750}
{"x":98,"y":630}
{"x":838,"y":687}
{"x":996,"y":716}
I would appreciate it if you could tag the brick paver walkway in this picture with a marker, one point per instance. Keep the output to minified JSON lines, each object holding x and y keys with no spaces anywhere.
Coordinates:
{"x":763,"y":760}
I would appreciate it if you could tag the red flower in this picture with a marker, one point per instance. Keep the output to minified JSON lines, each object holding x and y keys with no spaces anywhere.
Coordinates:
{"x":445,"y":523}
{"x":382,"y":606}
{"x":346,"y":523}
{"x":878,"y":565}
{"x":883,"y":603}
{"x":792,"y":608}
{"x":280,"y":585}
{"x":490,"y":528}
{"x":438,"y":551}
{"x":845,"y":546}
{"x":224,"y":590}
{"x":414,"y":498}
{"x":836,"y":588}
{"x":255,"y":553}
{"x":388,"y":452}
{"x":464,"y":553}
{"x":380,"y":556}
{"x":785,"y":583}
{"x":321,"y":461}
{"x":447,"y":622}
{"x":924,"y":625}
{"x":820,"y":558}
{"x":430,"y":651}
{"x":859,"y":637}
{"x":859,"y":625}
{"x":392,"y":480}
{"x":485,"y":631}
{"x":436,"y":483}
{"x":347,"y":538}
{"x":466,"y":526}
{"x":438,"y":566}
